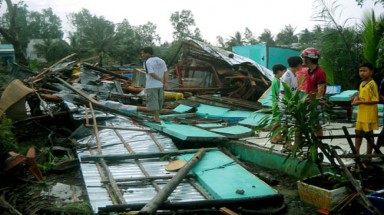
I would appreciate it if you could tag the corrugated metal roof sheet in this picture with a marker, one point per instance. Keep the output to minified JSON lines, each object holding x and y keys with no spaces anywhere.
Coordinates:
{"x":235,"y":60}
{"x":125,"y":171}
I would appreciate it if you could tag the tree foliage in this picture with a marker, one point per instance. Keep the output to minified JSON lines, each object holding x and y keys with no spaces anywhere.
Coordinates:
{"x":13,"y":28}
{"x":286,"y":36}
{"x":340,"y":46}
{"x":249,"y":37}
{"x":267,"y":37}
{"x":44,"y":25}
{"x":361,"y":2}
{"x":93,"y":33}
{"x":184,"y":25}
{"x":53,"y":49}
{"x":19,"y":26}
{"x":371,"y":38}
{"x":238,"y":39}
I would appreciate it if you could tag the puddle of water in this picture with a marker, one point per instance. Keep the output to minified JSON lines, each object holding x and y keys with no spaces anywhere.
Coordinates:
{"x":64,"y":192}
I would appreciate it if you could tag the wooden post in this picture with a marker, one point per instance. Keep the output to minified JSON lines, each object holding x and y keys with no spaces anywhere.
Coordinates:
{"x":151,"y":207}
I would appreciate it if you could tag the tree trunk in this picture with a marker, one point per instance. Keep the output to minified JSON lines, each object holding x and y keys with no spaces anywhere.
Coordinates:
{"x":11,"y":34}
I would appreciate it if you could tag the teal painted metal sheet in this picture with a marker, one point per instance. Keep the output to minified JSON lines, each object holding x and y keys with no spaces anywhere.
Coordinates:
{"x":214,"y":112}
{"x":237,"y":113}
{"x":210,"y":125}
{"x":182,"y":108}
{"x":223,"y":178}
{"x":255,"y":119}
{"x":236,"y":131}
{"x":270,"y":159}
{"x":208,"y":110}
{"x":190,"y":133}
{"x":177,"y":115}
{"x":343,"y":96}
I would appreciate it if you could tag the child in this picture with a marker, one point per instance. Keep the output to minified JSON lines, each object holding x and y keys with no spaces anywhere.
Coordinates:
{"x":278,"y":71}
{"x":295,"y":64}
{"x":367,"y":100}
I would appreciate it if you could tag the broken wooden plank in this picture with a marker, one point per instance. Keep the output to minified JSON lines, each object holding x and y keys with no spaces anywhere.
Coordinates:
{"x":55,"y":64}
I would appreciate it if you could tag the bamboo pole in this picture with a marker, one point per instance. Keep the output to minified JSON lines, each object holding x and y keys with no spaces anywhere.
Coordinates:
{"x":104,"y":178}
{"x":111,"y":179}
{"x":137,"y":161}
{"x":151,"y":207}
{"x":117,"y":157}
{"x":55,"y":64}
{"x":104,"y":71}
{"x":121,"y":128}
{"x":95,"y":129}
{"x":79,"y":92}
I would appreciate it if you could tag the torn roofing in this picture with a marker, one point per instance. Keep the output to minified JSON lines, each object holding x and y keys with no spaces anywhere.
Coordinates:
{"x":232,"y":58}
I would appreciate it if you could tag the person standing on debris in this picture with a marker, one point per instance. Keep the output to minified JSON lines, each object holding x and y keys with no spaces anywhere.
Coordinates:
{"x":316,"y":80}
{"x":367,"y":113}
{"x":295,"y":64}
{"x":156,"y":81}
{"x":278,"y":71}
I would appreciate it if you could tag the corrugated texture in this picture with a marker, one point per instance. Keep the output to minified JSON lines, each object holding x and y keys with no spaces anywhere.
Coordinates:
{"x":136,"y":191}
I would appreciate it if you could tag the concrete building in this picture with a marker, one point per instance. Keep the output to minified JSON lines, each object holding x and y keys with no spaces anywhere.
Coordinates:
{"x":7,"y":54}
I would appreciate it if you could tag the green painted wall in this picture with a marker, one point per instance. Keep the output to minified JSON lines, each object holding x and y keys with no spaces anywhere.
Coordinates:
{"x":258,"y":53}
{"x":7,"y":54}
{"x":280,"y":55}
{"x":266,"y":55}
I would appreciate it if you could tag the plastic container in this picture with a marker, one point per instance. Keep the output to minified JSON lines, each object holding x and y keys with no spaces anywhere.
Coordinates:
{"x":320,"y":197}
{"x":173,"y":96}
{"x":377,"y":200}
{"x":119,"y":106}
{"x":128,"y":75}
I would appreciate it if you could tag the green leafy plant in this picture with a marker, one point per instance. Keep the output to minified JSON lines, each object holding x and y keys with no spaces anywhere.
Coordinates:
{"x":50,"y":159}
{"x":7,"y":139}
{"x":74,"y":208}
{"x":300,"y":126}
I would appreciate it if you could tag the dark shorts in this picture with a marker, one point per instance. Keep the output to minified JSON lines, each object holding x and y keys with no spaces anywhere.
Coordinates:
{"x":155,"y":98}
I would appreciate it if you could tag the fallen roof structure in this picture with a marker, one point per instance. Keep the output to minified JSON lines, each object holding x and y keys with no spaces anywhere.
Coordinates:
{"x":204,"y":69}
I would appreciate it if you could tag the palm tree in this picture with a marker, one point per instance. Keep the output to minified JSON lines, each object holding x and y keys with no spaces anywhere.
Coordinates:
{"x":266,"y":37}
{"x":236,"y":40}
{"x":371,"y":36}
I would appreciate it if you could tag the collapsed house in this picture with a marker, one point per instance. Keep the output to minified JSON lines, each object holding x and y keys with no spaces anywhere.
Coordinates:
{"x":102,"y":131}
{"x":205,"y":69}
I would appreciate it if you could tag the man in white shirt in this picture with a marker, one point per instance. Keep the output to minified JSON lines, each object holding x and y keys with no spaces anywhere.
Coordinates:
{"x":156,"y":81}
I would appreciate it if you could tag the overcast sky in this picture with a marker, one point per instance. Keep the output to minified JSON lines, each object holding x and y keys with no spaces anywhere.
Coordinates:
{"x":213,"y":17}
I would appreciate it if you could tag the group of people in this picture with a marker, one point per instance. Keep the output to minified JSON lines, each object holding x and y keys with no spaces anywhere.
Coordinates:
{"x":304,"y":74}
